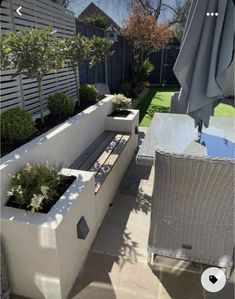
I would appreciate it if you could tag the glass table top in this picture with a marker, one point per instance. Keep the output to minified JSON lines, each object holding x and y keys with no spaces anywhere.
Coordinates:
{"x":176,"y":133}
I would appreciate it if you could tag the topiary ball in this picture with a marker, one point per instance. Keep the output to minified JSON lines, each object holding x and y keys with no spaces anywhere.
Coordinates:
{"x":60,"y":105}
{"x":16,"y":125}
{"x":88,"y":94}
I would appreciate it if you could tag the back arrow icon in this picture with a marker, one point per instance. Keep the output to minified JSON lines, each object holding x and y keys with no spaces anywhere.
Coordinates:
{"x":18,"y":10}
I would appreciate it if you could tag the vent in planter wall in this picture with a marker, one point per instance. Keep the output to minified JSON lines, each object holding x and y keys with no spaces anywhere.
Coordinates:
{"x":82,"y":229}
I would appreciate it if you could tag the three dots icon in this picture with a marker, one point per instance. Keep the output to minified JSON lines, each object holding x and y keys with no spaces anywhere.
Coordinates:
{"x":212,"y":14}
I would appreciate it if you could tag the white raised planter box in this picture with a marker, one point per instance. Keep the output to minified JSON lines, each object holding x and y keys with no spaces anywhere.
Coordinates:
{"x":44,"y":254}
{"x":123,"y":124}
{"x":62,"y":144}
{"x":43,"y":250}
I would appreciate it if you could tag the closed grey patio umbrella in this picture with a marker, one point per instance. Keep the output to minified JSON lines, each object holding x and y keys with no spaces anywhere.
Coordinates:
{"x":205,"y":59}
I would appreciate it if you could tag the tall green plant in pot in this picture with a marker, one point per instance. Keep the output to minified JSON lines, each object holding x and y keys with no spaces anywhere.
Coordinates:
{"x":33,"y":53}
{"x":141,"y":74}
{"x":98,"y":48}
{"x":75,"y":51}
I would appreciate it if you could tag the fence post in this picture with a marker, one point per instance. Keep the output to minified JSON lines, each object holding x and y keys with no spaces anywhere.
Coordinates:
{"x":123,"y":60}
{"x":106,"y":70}
{"x":162,"y":62}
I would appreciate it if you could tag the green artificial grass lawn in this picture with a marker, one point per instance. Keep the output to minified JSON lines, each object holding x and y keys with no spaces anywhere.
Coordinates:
{"x":158,"y":99}
{"x":224,"y":110}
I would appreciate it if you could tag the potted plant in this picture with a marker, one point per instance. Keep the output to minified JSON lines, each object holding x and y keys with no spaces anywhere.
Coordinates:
{"x":120,"y":106}
{"x":37,"y":188}
{"x":33,"y":53}
{"x":40,"y":223}
{"x":97,"y":49}
{"x":88,"y":95}
{"x":75,"y":51}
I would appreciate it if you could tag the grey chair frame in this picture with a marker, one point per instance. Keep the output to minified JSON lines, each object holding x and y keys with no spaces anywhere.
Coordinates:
{"x":192,"y":216}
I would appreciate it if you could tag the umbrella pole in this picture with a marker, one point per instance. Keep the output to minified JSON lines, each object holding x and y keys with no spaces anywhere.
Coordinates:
{"x":199,"y":129}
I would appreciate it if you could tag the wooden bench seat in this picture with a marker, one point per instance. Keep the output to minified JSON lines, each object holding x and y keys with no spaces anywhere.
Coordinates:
{"x":101,"y":155}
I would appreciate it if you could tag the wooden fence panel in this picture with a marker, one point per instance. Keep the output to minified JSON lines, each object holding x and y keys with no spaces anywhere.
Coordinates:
{"x":118,"y":70}
{"x":22,"y":91}
{"x":164,"y":61}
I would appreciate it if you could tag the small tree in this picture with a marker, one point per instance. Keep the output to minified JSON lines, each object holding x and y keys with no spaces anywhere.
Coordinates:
{"x":75,"y":50}
{"x":144,"y":32}
{"x":98,"y":48}
{"x":32,"y":53}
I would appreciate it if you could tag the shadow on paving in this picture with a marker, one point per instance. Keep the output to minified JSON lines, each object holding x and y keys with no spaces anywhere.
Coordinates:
{"x":94,"y":281}
{"x":180,"y":282}
{"x":185,"y":281}
{"x":118,"y":242}
{"x":130,"y":184}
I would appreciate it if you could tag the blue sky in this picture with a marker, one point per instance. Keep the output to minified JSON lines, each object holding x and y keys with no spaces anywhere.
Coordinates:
{"x":117,"y":12}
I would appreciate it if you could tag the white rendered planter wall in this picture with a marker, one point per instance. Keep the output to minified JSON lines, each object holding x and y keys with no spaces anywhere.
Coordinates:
{"x":43,"y":251}
{"x":62,"y":144}
{"x":123,"y":124}
{"x":44,"y":254}
{"x":109,"y":188}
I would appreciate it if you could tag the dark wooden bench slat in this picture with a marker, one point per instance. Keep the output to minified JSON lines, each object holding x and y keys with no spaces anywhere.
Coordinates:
{"x":95,"y":167}
{"x":84,"y":156}
{"x":97,"y":151}
{"x":110,"y":162}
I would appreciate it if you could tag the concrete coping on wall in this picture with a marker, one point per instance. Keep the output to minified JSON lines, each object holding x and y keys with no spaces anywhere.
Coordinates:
{"x":55,"y":216}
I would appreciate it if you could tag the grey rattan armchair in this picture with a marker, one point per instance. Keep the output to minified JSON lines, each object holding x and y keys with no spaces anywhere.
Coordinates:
{"x":192,"y":215}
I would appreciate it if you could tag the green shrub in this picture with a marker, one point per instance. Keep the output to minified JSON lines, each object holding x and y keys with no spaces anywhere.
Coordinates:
{"x":88,"y":94}
{"x":16,"y":125}
{"x":120,"y":102}
{"x":126,"y":89}
{"x":130,"y":88}
{"x":133,"y":87}
{"x":60,"y":105}
{"x":143,"y":71}
{"x":33,"y":187}
{"x":156,"y":108}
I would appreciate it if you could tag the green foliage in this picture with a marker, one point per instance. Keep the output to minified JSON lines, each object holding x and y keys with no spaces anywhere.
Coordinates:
{"x":33,"y":187}
{"x":132,"y":87}
{"x":75,"y":49}
{"x":33,"y":53}
{"x":16,"y":125}
{"x":120,"y":102}
{"x":143,"y":71}
{"x":88,"y":93}
{"x":98,"y":48}
{"x":126,"y":89}
{"x":60,"y":105}
{"x":156,"y":109}
{"x":96,"y":20}
{"x":5,"y":52}
{"x":75,"y":52}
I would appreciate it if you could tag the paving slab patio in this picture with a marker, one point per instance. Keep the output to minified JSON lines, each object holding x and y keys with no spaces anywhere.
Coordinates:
{"x":116,"y":266}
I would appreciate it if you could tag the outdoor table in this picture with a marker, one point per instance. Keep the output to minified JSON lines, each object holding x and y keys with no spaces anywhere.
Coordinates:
{"x":192,"y":206}
{"x":176,"y":133}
